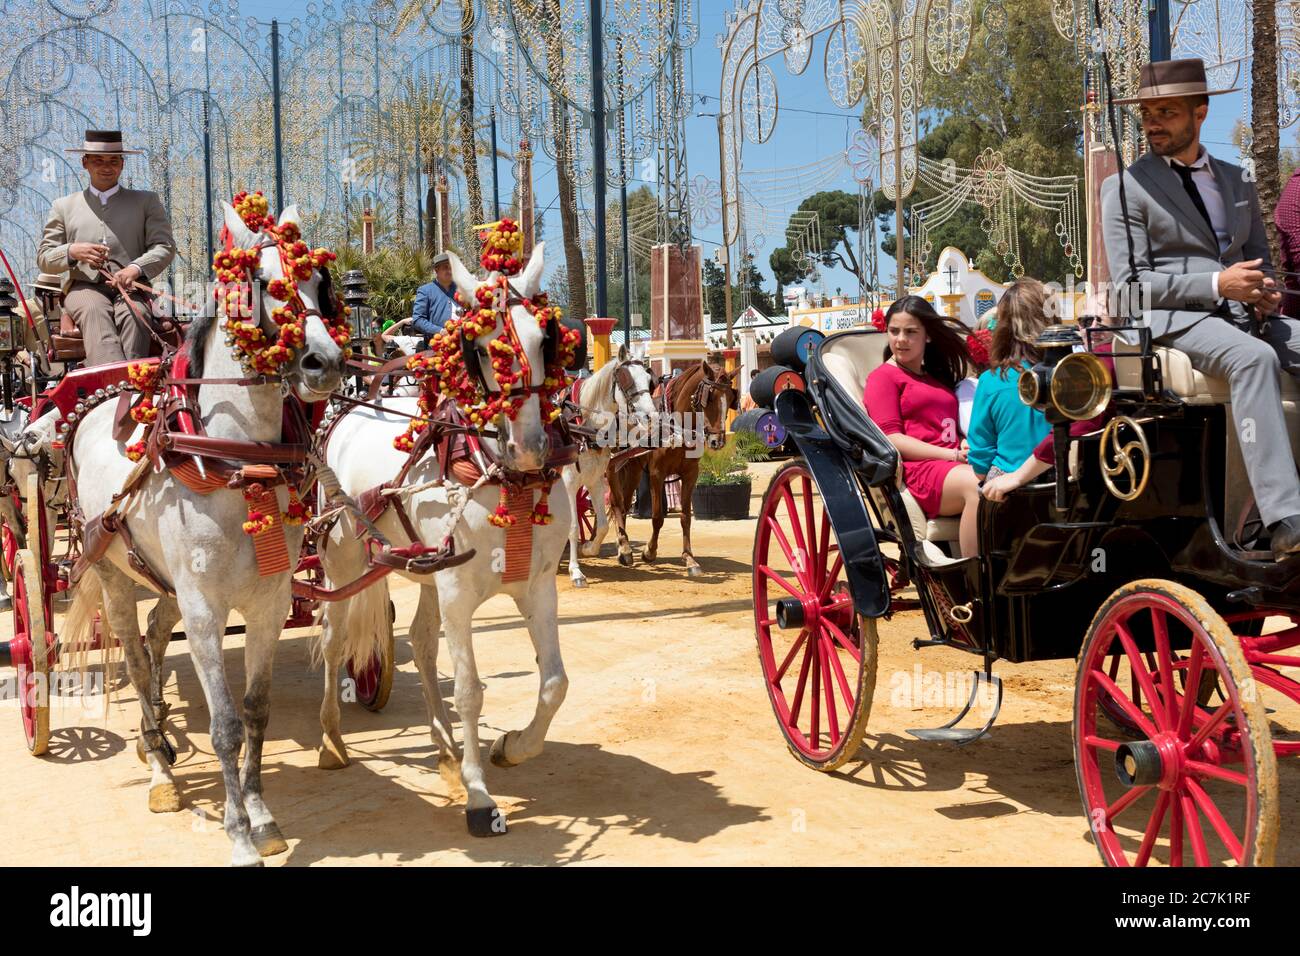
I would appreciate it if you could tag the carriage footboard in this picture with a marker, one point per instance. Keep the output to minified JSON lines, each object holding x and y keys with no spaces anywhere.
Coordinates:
{"x":842,"y":498}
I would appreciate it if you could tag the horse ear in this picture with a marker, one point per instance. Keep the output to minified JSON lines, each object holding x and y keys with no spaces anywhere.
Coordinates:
{"x":708,"y":369}
{"x":289,"y":214}
{"x":240,"y":234}
{"x":622,"y":353}
{"x":464,"y":279}
{"x":530,"y":281}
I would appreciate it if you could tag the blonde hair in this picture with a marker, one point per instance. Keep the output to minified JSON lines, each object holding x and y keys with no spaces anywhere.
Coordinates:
{"x":1022,"y":314}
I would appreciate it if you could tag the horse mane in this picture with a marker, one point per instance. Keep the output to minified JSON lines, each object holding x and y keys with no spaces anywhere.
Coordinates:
{"x":598,"y":383}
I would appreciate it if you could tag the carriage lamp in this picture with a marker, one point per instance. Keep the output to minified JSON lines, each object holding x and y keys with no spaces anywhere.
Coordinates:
{"x":11,"y":323}
{"x":356,"y":296}
{"x":1065,"y":386}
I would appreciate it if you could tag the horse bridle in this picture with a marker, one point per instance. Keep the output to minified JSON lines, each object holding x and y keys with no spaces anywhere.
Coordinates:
{"x":550,"y":342}
{"x":700,"y":400}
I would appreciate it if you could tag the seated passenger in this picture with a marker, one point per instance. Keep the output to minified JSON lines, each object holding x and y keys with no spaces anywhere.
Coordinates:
{"x":1003,"y":429}
{"x":912,"y":399}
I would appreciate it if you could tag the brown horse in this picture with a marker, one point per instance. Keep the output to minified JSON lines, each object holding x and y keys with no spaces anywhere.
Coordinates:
{"x":702,"y":391}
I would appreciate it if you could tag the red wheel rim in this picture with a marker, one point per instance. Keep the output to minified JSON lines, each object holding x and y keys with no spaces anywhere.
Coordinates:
{"x":367,"y":680}
{"x":586,"y":516}
{"x":812,"y":674}
{"x":1201,"y":806}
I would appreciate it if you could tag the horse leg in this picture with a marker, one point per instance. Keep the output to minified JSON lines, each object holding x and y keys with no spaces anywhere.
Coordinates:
{"x":689,"y":476}
{"x":333,"y":752}
{"x":205,"y":625}
{"x":572,"y":482}
{"x":481,"y":813}
{"x":538,"y":608}
{"x":621,"y":504}
{"x":264,"y":625}
{"x":120,"y":610}
{"x":597,"y":491}
{"x":162,"y":618}
{"x":424,"y":644}
{"x":659,"y":497}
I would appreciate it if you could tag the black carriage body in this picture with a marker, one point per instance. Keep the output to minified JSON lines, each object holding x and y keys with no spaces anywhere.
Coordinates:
{"x":1043,"y":573}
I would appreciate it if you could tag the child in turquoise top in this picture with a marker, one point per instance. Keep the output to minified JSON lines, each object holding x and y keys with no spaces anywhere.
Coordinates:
{"x":1004,"y":431}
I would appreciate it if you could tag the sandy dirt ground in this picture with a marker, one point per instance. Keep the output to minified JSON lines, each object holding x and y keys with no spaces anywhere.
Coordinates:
{"x":665,"y":752}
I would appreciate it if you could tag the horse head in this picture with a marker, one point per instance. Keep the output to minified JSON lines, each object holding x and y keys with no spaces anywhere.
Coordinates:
{"x":317,"y":366}
{"x":634,"y":388}
{"x":526,"y":444}
{"x":715,"y":394}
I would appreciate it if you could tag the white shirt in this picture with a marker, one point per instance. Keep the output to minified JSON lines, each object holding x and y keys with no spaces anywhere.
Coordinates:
{"x":1208,"y":187}
{"x":106,"y":195}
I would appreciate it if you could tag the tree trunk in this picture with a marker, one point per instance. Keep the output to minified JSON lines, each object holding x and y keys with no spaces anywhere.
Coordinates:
{"x":1264,"y":117}
{"x":468,"y":146}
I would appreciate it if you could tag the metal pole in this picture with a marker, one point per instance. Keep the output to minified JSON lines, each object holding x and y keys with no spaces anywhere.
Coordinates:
{"x":598,"y":149}
{"x":726,"y":226}
{"x":275,"y":114}
{"x":898,"y":159}
{"x":496,"y":193}
{"x":622,"y":194}
{"x":1158,"y":22}
{"x":207,"y":147}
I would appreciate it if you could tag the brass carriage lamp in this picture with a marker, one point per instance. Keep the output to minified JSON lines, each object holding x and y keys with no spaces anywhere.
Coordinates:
{"x":1066,"y":386}
{"x":356,"y":296}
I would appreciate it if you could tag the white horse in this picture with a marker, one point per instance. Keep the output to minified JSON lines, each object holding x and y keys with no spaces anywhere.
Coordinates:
{"x":196,"y":545}
{"x":618,"y":390}
{"x":361,"y":453}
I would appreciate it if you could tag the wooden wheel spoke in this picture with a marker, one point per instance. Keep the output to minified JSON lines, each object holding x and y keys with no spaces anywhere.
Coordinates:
{"x":797,"y":704}
{"x":1194,"y":833}
{"x":1176,"y":834}
{"x":828,"y":690}
{"x":1195,"y":661}
{"x":831,"y":576}
{"x":1218,"y":773}
{"x":814,"y":699}
{"x":840,"y":677}
{"x":1220,"y":825}
{"x":810,"y":529}
{"x":792,"y":510}
{"x":1153,"y":826}
{"x":1101,"y":743}
{"x":1158,"y":709}
{"x":768,"y":572}
{"x":1124,"y":802}
{"x":842,"y":639}
{"x":823,"y":547}
{"x":789,"y":658}
{"x":1121,"y":700}
{"x":1208,"y":727}
{"x":1168,"y":693}
{"x":801,"y":574}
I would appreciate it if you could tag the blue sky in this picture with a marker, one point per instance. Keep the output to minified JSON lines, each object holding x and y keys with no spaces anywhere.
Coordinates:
{"x":809,"y":127}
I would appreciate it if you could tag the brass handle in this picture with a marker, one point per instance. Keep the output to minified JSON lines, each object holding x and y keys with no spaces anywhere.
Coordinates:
{"x":1117,"y":459}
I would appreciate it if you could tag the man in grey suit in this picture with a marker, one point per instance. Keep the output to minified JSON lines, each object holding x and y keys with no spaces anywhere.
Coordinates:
{"x":108,"y":229}
{"x":1188,"y":231}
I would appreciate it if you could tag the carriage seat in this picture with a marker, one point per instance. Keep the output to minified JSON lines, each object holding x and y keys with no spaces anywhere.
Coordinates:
{"x":1184,"y":380}
{"x":850,"y":357}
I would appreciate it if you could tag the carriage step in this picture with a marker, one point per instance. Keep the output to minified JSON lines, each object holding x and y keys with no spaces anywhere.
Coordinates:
{"x":950,"y":733}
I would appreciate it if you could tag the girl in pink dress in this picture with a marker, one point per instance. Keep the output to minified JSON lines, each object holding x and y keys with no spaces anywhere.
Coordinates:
{"x":912,"y":398}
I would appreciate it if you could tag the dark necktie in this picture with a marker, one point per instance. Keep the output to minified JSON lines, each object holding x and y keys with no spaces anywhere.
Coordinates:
{"x":1185,"y":174}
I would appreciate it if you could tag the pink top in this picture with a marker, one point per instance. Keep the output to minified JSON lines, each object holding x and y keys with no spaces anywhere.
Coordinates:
{"x":1287,"y":219}
{"x":919,"y":407}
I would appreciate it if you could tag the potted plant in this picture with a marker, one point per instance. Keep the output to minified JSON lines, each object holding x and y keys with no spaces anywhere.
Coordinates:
{"x":722,"y":489}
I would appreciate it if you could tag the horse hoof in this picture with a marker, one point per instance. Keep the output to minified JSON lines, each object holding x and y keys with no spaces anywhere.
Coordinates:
{"x":246,"y":860}
{"x":332,"y":758}
{"x":164,"y":798}
{"x":269,"y":840}
{"x":625,"y":559}
{"x":485,"y":822}
{"x":648,"y":557}
{"x":694,"y":571}
{"x":579,"y":582}
{"x":498,"y":753}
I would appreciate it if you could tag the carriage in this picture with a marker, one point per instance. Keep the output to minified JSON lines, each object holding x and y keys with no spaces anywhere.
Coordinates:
{"x":36,"y":566}
{"x":1138,"y":561}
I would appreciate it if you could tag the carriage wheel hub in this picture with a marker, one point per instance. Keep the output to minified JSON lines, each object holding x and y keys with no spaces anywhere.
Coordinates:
{"x":1150,"y":763}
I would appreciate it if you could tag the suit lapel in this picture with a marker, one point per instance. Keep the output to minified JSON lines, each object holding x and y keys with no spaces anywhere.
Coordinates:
{"x":1168,"y":184}
{"x":1231,"y":212}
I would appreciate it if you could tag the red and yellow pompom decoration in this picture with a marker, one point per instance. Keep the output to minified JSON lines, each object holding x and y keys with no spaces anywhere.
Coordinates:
{"x":257,"y":521}
{"x":259,"y":353}
{"x":143,"y":377}
{"x":443,"y":370}
{"x":136,"y":451}
{"x":297,"y":512}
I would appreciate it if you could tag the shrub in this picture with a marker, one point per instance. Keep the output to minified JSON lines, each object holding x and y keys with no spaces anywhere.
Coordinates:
{"x":723,"y":467}
{"x":749,"y":447}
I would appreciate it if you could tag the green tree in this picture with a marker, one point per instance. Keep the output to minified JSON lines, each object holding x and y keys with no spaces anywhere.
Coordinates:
{"x":715,"y":294}
{"x":1014,"y":104}
{"x":837,"y":214}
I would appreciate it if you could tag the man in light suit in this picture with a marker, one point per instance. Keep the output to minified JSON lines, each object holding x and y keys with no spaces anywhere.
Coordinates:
{"x":106,"y":228}
{"x":1200,"y":254}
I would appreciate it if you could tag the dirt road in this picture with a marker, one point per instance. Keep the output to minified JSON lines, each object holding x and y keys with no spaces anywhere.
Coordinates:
{"x":665,"y":752}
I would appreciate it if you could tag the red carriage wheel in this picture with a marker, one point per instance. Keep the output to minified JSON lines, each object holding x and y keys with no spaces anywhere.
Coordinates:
{"x":817,"y":654}
{"x":31,"y":650}
{"x":1196,"y":783}
{"x":586,"y":516}
{"x":375,"y":682}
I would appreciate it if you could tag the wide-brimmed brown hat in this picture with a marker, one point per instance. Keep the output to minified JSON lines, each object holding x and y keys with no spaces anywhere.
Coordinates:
{"x":103,"y":142}
{"x":1166,"y":78}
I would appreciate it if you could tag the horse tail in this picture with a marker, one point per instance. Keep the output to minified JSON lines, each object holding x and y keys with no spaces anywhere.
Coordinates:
{"x":77,"y":637}
{"x":368,"y":626}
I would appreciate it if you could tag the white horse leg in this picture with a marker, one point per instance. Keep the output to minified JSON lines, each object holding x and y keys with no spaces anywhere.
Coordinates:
{"x":424,"y":643}
{"x":162,"y":619}
{"x":333,"y":752}
{"x":481,"y":813}
{"x":539,"y":608}
{"x":205,"y":625}
{"x":263,"y":627}
{"x":120,"y":610}
{"x":572,"y":483}
{"x":597,"y":491}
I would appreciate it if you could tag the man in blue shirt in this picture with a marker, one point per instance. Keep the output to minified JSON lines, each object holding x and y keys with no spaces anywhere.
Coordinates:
{"x":434,"y":300}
